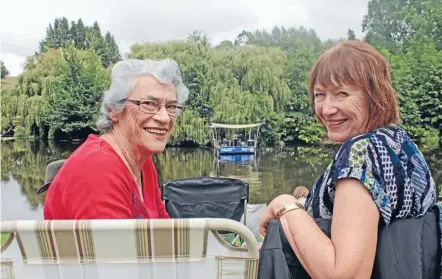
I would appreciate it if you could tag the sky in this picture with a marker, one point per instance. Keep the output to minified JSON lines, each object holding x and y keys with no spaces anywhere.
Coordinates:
{"x":134,"y":21}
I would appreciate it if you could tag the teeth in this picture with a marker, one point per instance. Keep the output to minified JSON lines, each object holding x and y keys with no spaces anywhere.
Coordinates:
{"x":155,"y":131}
{"x":336,"y":122}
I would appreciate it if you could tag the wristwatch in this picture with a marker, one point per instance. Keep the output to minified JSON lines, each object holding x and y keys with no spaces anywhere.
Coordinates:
{"x":289,"y":207}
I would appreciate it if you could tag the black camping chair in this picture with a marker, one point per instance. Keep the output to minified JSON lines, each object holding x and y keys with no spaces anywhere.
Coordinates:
{"x":206,"y":197}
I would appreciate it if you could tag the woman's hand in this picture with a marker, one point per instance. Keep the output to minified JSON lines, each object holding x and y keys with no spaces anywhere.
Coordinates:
{"x":270,"y":211}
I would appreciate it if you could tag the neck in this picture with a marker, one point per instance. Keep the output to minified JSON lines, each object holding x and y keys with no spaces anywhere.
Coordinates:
{"x":129,"y":153}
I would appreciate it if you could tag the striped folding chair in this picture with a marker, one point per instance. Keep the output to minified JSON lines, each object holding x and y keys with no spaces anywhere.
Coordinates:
{"x":156,"y":248}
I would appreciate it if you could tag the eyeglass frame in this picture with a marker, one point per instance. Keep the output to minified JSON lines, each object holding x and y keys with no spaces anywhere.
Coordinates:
{"x":140,"y":102}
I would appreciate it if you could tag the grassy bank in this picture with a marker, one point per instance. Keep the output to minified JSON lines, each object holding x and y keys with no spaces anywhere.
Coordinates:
{"x":9,"y":83}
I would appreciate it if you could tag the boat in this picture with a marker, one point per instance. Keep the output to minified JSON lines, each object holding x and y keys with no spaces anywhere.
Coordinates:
{"x":229,"y":143}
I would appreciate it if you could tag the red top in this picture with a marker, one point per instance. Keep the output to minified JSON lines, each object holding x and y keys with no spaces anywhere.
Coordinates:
{"x":94,"y":183}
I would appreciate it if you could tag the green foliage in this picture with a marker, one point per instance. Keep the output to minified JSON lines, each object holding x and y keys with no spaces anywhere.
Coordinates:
{"x":351,"y":35}
{"x":199,"y":36}
{"x":302,"y":128}
{"x":74,"y":97}
{"x":409,"y":33}
{"x":60,"y":91}
{"x":427,"y":138}
{"x":271,"y":132}
{"x":190,"y":127}
{"x":237,"y":85}
{"x":4,"y":238}
{"x":3,"y":71}
{"x":225,"y":44}
{"x":261,"y":75}
{"x":20,"y":132}
{"x":394,"y":24}
{"x":62,"y":34}
{"x":24,"y":104}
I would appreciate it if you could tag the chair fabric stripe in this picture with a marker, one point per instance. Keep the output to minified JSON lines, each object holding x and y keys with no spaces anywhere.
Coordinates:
{"x":142,"y":239}
{"x":79,"y":242}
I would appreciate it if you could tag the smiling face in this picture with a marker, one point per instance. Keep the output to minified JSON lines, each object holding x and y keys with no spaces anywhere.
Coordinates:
{"x":351,"y":92}
{"x":148,"y":132}
{"x":343,"y":110}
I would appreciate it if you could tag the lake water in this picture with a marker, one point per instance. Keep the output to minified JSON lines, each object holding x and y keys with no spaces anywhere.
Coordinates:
{"x":271,"y":173}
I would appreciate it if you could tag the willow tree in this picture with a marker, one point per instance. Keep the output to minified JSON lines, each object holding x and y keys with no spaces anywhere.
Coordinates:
{"x":301,"y":47}
{"x":259,"y":70}
{"x":22,"y":107}
{"x":60,"y":90}
{"x":193,"y":59}
{"x":236,"y":85}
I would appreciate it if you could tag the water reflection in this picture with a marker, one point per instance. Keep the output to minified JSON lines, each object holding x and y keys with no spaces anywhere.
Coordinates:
{"x":271,"y":173}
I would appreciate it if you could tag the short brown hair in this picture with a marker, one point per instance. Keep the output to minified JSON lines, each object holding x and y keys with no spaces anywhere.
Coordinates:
{"x":358,"y":64}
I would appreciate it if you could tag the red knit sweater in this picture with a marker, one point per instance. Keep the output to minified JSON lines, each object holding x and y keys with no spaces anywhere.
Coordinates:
{"x":94,"y":183}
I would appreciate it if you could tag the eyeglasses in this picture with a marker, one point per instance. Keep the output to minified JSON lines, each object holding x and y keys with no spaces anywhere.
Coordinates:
{"x":147,"y":106}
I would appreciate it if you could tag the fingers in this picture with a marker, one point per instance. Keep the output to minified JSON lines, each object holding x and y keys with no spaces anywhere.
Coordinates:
{"x":262,"y":228}
{"x":265,"y":218}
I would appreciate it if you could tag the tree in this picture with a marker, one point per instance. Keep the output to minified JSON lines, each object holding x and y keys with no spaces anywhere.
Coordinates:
{"x":393,"y":24}
{"x":225,"y":44}
{"x":57,"y":36}
{"x":243,"y":38}
{"x":238,"y":85}
{"x":74,"y":99}
{"x":61,"y":34}
{"x":351,"y":35}
{"x":4,"y":71}
{"x":301,"y":46}
{"x":409,"y":32}
{"x":78,"y":31}
{"x":199,"y":36}
{"x":112,"y":54}
{"x":57,"y":96}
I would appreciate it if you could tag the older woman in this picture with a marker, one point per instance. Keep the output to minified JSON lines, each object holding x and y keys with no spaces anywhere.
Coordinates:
{"x":376,"y":177}
{"x":112,"y":176}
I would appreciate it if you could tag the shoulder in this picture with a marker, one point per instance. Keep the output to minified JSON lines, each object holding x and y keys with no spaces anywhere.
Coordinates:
{"x":94,"y":154}
{"x":372,"y":156}
{"x":93,"y":163}
{"x":385,"y":141}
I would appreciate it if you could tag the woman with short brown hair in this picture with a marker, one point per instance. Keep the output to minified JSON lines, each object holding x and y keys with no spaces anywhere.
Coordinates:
{"x":377,"y":176}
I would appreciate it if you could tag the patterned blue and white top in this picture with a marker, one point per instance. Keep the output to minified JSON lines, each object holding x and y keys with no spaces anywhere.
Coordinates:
{"x":392,"y":168}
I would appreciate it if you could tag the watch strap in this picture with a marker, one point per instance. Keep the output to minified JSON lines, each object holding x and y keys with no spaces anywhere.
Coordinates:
{"x":288,"y":207}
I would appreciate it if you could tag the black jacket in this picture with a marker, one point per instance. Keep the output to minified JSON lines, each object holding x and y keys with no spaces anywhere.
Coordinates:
{"x":407,"y":248}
